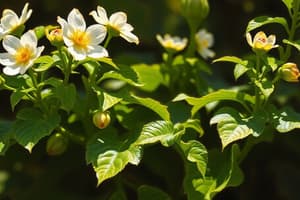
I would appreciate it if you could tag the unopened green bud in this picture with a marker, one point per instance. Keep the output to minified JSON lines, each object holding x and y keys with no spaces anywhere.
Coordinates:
{"x":54,"y":35}
{"x":101,"y":119}
{"x":289,"y":72}
{"x":56,"y":144}
{"x":39,"y":31}
{"x":195,"y":11}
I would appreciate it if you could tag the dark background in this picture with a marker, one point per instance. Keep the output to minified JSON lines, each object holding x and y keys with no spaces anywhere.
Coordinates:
{"x":272,"y":170}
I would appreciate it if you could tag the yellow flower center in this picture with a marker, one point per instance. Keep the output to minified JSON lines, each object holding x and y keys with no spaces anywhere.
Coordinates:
{"x":23,"y":55}
{"x":204,"y":44}
{"x":81,"y":39}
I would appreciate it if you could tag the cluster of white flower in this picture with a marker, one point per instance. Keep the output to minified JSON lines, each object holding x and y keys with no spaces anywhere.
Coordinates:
{"x":204,"y":40}
{"x":81,"y":41}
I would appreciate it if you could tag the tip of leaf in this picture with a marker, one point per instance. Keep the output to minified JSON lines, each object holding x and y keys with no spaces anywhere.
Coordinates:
{"x":29,"y":146}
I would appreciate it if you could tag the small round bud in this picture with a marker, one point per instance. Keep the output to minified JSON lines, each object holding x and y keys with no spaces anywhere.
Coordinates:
{"x":195,"y":11}
{"x":39,"y":31}
{"x":56,"y":144}
{"x":101,"y":119}
{"x":54,"y":35}
{"x":289,"y":72}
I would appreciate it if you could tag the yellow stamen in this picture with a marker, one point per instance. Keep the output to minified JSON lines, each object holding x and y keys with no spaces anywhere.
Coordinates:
{"x":23,"y":55}
{"x":81,"y":39}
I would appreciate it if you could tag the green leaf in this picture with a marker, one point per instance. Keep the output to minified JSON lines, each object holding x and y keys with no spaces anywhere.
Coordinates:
{"x":295,"y":44}
{"x":111,"y":162}
{"x":158,"y":131}
{"x":16,"y":97}
{"x":149,"y":76}
{"x":125,"y":73}
{"x":232,"y":126}
{"x":263,"y":20}
{"x":272,"y":62}
{"x":218,"y":95}
{"x":5,"y":135}
{"x":67,"y":96}
{"x":266,"y":87}
{"x":286,"y":120}
{"x":197,"y":153}
{"x":45,"y":62}
{"x":288,"y":3}
{"x":32,"y":125}
{"x":191,"y":174}
{"x":146,"y":192}
{"x":152,"y":104}
{"x":194,"y":124}
{"x":108,"y":61}
{"x":106,"y":101}
{"x":239,"y":70}
{"x":232,"y":59}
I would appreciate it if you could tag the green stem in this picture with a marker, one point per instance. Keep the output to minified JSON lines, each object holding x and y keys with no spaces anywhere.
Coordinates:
{"x":246,"y":149}
{"x":66,"y":65}
{"x":109,"y":37}
{"x":257,"y":90}
{"x":292,"y":31}
{"x":192,"y":45}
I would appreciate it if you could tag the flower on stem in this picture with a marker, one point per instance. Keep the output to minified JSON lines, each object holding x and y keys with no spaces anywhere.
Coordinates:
{"x":116,"y":24}
{"x":82,"y":42}
{"x":21,"y":53}
{"x":55,"y":36}
{"x":204,"y":41}
{"x":10,"y":21}
{"x":172,"y":44}
{"x":289,"y":72}
{"x":261,"y":43}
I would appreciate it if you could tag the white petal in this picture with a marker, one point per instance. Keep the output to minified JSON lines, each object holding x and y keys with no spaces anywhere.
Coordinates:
{"x":9,"y":20}
{"x":77,"y":53}
{"x":130,"y":37}
{"x":97,"y":33}
{"x":127,"y":27}
{"x":76,"y":20}
{"x":118,"y":19}
{"x":29,"y":39}
{"x":38,"y":52}
{"x":7,"y":59}
{"x":11,"y":44}
{"x":97,"y":52}
{"x":25,"y":14}
{"x":66,"y":31}
{"x":100,"y":16}
{"x":11,"y":70}
{"x":249,"y":39}
{"x":207,"y":53}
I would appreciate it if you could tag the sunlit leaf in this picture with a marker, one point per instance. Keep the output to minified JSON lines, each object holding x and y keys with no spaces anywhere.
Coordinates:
{"x":239,"y":70}
{"x":32,"y":125}
{"x":286,"y":120}
{"x":232,"y":59}
{"x":288,"y":3}
{"x":263,"y":20}
{"x":295,"y":44}
{"x":266,"y":87}
{"x":16,"y":97}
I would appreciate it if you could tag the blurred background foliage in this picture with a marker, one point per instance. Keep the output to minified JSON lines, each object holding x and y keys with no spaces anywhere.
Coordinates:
{"x":272,"y":170}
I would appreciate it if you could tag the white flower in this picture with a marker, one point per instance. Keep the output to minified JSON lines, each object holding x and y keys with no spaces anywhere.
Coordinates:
{"x":10,"y":20}
{"x":21,"y":53}
{"x":82,"y":42}
{"x":261,"y":43}
{"x":116,"y":24}
{"x":172,"y":44}
{"x":204,"y":41}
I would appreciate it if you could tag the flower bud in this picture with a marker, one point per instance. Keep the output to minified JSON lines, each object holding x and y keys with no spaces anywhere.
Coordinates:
{"x":195,"y":11}
{"x":56,"y":144}
{"x":289,"y":72}
{"x":54,"y":35}
{"x":101,"y":119}
{"x":39,"y":31}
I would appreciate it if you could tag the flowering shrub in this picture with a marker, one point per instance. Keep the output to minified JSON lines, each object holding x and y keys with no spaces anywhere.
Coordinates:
{"x":72,"y":91}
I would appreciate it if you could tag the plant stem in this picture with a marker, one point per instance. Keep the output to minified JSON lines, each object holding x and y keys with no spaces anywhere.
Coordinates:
{"x":257,"y":90}
{"x":246,"y":149}
{"x":192,"y":45}
{"x":66,"y":65}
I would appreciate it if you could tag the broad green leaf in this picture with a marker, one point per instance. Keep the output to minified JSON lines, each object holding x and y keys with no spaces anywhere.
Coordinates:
{"x":272,"y":62}
{"x":108,"y":61}
{"x":111,"y":162}
{"x":232,"y":59}
{"x":152,"y":104}
{"x":5,"y":135}
{"x":16,"y":97}
{"x":239,"y":70}
{"x":106,"y":101}
{"x":194,"y":124}
{"x":55,"y":82}
{"x":197,"y":153}
{"x":45,"y":62}
{"x":263,"y":20}
{"x":266,"y":87}
{"x":295,"y":44}
{"x":218,"y":95}
{"x":125,"y":73}
{"x":232,"y":126}
{"x":158,"y":131}
{"x":146,"y":192}
{"x":286,"y":120}
{"x":32,"y":125}
{"x":149,"y":76}
{"x":67,"y":96}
